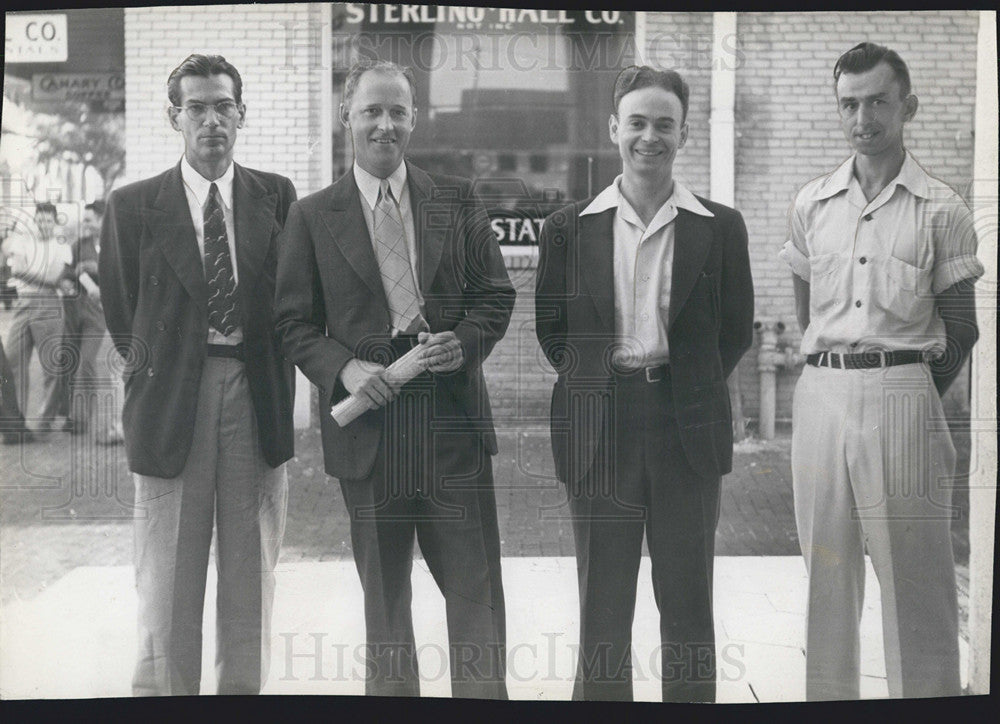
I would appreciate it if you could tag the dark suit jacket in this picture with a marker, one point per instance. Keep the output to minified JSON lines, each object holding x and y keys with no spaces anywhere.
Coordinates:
{"x":331,"y":306}
{"x":710,"y":326}
{"x":155,"y":303}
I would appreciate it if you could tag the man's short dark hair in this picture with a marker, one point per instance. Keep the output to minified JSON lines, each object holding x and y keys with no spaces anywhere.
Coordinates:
{"x":205,"y":66}
{"x":97,"y":207}
{"x":381,"y":66}
{"x":46,"y":207}
{"x":865,"y":56}
{"x":642,"y":76}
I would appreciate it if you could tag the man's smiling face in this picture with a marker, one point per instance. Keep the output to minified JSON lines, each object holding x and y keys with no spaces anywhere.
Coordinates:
{"x":648,"y":129}
{"x":380,"y":118}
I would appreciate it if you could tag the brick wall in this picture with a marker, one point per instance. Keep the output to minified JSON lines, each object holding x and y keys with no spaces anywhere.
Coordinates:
{"x":683,"y":42}
{"x":786,"y":126}
{"x":787,"y":130}
{"x":276,"y":48}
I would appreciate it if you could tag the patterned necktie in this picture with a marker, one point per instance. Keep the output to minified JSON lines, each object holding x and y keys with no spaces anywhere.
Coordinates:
{"x":394,"y":264}
{"x":223,"y":302}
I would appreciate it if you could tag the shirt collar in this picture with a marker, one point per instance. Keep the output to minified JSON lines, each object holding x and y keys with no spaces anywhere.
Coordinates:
{"x":911,"y":175}
{"x":611,"y":198}
{"x":368,"y":184}
{"x":200,"y":185}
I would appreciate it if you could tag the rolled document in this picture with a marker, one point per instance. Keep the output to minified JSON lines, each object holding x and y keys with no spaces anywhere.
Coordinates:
{"x":87,"y":282}
{"x":397,"y":374}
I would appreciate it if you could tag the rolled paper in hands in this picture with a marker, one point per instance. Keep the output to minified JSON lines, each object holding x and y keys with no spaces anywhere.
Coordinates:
{"x":397,"y":374}
{"x":87,"y":282}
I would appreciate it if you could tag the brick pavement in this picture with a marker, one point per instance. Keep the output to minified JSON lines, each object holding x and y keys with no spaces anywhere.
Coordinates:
{"x":65,"y":502}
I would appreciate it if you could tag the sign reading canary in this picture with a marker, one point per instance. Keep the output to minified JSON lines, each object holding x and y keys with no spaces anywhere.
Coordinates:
{"x":36,"y":38}
{"x":78,"y":86}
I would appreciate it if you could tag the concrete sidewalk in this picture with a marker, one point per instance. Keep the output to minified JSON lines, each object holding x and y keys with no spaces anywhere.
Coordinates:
{"x":77,"y":638}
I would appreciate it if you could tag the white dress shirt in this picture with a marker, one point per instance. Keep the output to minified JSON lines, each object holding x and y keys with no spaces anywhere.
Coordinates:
{"x":368,"y":186}
{"x":196,"y":189}
{"x":643,"y":265}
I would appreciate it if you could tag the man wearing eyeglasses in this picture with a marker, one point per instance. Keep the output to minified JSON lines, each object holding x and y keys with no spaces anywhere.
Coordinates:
{"x":644,"y":305}
{"x":187,"y":268}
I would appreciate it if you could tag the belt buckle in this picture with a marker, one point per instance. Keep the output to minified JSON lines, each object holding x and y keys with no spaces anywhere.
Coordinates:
{"x":883,"y":358}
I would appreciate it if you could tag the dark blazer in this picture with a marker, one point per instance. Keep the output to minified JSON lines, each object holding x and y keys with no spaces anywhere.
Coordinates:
{"x":155,"y":303}
{"x":709,"y":328}
{"x":331,"y":306}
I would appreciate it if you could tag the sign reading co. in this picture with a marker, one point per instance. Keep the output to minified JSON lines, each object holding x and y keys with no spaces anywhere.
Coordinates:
{"x":78,"y":86}
{"x":36,"y":38}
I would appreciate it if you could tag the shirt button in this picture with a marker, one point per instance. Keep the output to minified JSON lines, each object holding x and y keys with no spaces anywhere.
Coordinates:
{"x":645,"y":277}
{"x":160,"y":325}
{"x":149,"y":372}
{"x":863,"y":260}
{"x":857,"y":303}
{"x":154,"y":281}
{"x":868,"y":217}
{"x":645,"y":316}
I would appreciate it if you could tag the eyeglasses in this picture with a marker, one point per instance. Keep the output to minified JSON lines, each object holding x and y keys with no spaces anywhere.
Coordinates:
{"x":198,"y":111}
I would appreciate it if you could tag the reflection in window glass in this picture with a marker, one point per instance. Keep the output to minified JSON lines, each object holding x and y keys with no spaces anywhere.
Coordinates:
{"x":518,"y":100}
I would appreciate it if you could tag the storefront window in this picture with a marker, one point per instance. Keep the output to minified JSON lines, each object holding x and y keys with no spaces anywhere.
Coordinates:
{"x":517,"y":99}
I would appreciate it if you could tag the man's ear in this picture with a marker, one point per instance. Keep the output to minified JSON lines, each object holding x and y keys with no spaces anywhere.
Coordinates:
{"x":684,"y":136}
{"x":243,"y":115}
{"x":911,"y":104}
{"x":172,"y":117}
{"x":613,"y":127}
{"x":413,"y":118}
{"x":343,"y":114}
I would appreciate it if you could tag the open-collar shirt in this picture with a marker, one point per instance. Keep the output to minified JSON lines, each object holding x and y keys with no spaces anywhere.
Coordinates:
{"x":643,"y":261}
{"x":874,"y":267}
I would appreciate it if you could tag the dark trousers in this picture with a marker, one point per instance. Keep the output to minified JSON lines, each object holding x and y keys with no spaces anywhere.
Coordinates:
{"x":11,"y":419}
{"x":641,"y":482}
{"x":432,"y":477}
{"x":83,"y":337}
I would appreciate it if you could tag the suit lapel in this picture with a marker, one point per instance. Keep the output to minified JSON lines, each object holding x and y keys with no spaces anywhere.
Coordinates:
{"x":596,"y":256}
{"x":430,"y":237}
{"x":345,"y":221}
{"x":692,"y":242}
{"x":169,"y":223}
{"x":253,"y":211}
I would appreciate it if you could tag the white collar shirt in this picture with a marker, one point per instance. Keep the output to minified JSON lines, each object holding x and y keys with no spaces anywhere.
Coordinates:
{"x":643,"y":264}
{"x":874,"y":267}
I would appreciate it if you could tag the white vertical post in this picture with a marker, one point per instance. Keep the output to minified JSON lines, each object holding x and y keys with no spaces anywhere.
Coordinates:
{"x":723,"y":116}
{"x":302,"y":407}
{"x":327,"y":112}
{"x":641,"y":51}
{"x":983,"y":463}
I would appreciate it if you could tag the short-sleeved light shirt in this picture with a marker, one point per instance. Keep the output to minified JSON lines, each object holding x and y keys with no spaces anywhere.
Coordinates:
{"x":874,"y":267}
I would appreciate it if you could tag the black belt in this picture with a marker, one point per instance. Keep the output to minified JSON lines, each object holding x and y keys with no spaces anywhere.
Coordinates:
{"x":233,"y":351}
{"x":865,"y":360}
{"x":646,"y":374}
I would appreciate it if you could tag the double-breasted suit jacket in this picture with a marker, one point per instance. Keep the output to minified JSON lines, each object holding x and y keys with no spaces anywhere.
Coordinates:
{"x":155,"y":303}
